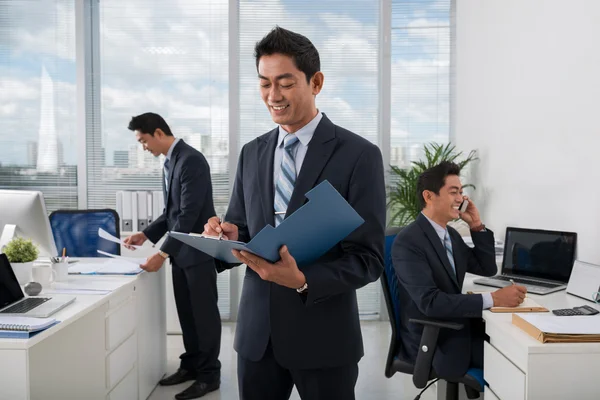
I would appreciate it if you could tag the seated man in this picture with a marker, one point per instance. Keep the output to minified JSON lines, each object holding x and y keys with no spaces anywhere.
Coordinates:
{"x":431,"y":260}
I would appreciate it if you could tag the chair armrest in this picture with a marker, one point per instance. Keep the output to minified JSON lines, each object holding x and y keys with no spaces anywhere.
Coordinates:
{"x":440,"y":324}
{"x":422,"y":371}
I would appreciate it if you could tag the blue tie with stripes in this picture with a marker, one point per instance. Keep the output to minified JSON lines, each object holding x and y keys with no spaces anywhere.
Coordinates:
{"x":286,"y":179}
{"x":448,"y":246}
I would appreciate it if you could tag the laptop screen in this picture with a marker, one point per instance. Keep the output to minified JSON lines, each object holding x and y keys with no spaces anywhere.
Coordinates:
{"x":10,"y":291}
{"x":538,"y":253}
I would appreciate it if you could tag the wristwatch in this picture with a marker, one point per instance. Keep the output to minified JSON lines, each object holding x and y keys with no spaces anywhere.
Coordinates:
{"x":479,"y":228}
{"x":163,"y":254}
{"x":303,"y":289}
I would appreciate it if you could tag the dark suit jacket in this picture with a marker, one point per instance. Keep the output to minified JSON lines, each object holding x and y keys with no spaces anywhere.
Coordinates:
{"x":320,"y":329}
{"x":429,"y":288}
{"x":188,"y":205}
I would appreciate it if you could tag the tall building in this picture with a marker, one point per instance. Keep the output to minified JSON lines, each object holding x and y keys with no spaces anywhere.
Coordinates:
{"x":121,"y":158}
{"x":32,"y":153}
{"x":139,"y":158}
{"x":47,"y":151}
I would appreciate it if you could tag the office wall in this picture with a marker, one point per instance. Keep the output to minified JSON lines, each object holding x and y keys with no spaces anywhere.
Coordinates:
{"x":528,"y":99}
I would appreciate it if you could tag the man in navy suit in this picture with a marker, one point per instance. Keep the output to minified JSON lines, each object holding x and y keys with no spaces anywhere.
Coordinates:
{"x":299,"y":325}
{"x":188,"y":203}
{"x":431,"y":259}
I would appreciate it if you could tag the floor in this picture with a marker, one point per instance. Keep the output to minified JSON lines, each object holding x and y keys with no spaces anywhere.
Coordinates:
{"x":371,"y":385}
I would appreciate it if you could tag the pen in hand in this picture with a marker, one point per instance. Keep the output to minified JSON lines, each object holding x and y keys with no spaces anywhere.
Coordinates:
{"x":221,"y":220}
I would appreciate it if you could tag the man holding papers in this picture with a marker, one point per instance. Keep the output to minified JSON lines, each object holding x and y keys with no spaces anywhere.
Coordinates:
{"x":188,"y":203}
{"x":299,"y":325}
{"x":431,"y":260}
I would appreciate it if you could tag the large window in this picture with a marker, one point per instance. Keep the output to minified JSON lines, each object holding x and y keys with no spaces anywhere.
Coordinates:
{"x":169,"y":58}
{"x":420,"y":105}
{"x":173,"y":58}
{"x":346,"y":34}
{"x":37,"y":99}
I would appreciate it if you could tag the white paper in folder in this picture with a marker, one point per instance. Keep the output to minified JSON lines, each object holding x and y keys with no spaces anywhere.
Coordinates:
{"x":572,"y":325}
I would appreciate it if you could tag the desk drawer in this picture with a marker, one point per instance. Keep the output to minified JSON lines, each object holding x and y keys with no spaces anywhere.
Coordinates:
{"x":127,"y":389}
{"x":121,"y":361}
{"x":503,"y":377}
{"x":120,"y":324}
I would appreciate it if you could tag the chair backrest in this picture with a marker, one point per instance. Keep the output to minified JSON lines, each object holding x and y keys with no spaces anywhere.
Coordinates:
{"x":77,"y":231}
{"x":390,"y":284}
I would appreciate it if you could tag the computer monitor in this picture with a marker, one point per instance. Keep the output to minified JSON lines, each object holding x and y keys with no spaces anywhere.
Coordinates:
{"x":27,"y":211}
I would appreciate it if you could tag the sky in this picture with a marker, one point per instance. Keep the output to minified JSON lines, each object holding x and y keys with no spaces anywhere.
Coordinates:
{"x":172,"y":58}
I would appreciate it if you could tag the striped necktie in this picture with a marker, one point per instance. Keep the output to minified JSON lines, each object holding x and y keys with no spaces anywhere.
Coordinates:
{"x":448,"y":246}
{"x":166,"y":171}
{"x":286,"y":179}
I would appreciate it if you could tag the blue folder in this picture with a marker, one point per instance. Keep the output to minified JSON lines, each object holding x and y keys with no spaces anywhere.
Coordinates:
{"x":4,"y":334}
{"x":317,"y":226}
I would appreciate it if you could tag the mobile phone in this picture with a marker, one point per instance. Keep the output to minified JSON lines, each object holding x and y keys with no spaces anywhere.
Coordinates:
{"x":463,"y":206}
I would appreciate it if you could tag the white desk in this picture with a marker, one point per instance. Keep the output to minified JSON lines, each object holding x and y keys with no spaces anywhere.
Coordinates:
{"x":517,"y":367}
{"x":106,"y":347}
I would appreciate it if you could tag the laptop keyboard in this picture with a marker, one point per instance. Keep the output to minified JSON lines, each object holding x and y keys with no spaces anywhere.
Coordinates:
{"x":27,"y":304}
{"x":524,"y":281}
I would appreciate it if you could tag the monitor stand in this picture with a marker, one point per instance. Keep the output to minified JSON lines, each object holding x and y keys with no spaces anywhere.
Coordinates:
{"x":8,"y":233}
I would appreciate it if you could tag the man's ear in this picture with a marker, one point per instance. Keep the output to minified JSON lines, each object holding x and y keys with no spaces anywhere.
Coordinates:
{"x":158,"y":133}
{"x":427,"y":196}
{"x":316,"y":83}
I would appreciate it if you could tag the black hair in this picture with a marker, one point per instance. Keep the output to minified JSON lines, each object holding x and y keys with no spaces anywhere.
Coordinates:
{"x":434,"y":178}
{"x":149,"y":123}
{"x":298,"y":47}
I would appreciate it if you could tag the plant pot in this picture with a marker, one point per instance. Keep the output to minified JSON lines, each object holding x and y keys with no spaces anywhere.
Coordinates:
{"x":23,"y":271}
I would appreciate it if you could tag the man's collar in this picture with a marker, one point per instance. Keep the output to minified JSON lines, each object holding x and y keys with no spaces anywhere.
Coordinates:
{"x":170,"y":152}
{"x":303,"y":134}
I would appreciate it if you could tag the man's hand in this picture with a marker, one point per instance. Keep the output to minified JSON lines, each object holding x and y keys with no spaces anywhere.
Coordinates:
{"x":284,"y":272}
{"x":214,"y":226}
{"x":510,"y":296}
{"x":471,"y":215}
{"x":153,"y":263}
{"x":137,"y":239}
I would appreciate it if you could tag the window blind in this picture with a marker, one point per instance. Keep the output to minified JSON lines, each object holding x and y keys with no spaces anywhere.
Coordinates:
{"x":421,"y":50}
{"x":37,"y":99}
{"x":170,"y":58}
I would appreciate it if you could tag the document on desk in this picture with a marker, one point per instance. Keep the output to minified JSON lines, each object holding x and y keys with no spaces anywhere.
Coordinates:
{"x":108,"y":267}
{"x":559,"y":329}
{"x":107,"y":236}
{"x":310,"y":232}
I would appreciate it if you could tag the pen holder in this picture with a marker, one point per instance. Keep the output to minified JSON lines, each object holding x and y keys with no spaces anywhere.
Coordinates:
{"x":61,"y":270}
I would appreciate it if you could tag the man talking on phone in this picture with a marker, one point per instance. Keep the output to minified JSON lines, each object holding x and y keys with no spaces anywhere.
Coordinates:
{"x":431,"y":260}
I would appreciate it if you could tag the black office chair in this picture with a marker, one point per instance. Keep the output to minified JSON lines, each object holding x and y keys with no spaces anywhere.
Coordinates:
{"x":421,"y":370}
{"x":77,"y":231}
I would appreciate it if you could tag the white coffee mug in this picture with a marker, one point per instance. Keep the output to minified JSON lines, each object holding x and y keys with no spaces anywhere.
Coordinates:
{"x":62,"y":271}
{"x":44,"y":275}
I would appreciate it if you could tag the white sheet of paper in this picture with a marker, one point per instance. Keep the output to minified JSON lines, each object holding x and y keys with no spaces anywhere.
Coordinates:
{"x":575,"y":325}
{"x":105,"y":235}
{"x":90,"y":284}
{"x":133,"y":260}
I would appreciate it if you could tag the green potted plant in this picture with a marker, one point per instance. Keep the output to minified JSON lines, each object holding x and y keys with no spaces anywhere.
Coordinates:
{"x":21,"y":253}
{"x":403,"y":204}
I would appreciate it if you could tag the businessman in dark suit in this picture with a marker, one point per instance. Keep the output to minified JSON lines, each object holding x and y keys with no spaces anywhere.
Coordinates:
{"x":431,"y":259}
{"x":298,"y":324}
{"x":188,"y":204}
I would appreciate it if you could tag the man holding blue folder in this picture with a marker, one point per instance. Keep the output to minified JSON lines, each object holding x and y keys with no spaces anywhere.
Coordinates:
{"x":299,"y":325}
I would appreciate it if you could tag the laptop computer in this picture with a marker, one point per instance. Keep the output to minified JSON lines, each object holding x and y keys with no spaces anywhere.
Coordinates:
{"x":538,"y":259}
{"x":14,"y":302}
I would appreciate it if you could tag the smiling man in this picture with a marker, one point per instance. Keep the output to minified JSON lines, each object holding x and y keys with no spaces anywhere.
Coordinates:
{"x":298,"y":324}
{"x":431,"y":259}
{"x":188,"y":203}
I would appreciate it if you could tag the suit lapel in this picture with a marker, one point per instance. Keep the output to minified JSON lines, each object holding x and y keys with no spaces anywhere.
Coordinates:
{"x":265,"y":156}
{"x":319,"y":151}
{"x":172,"y":163}
{"x":438,"y":246}
{"x":459,"y":261}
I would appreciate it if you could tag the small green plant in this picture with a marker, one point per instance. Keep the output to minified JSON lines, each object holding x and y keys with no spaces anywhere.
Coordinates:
{"x":403,"y":203}
{"x":21,"y":250}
